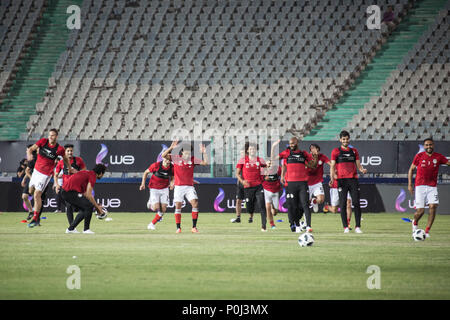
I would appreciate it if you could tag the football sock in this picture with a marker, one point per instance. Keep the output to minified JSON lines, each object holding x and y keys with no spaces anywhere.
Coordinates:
{"x":178,"y":218}
{"x":194,"y":217}
{"x":427,"y":229}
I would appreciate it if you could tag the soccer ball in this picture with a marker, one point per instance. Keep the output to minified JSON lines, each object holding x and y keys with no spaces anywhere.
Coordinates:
{"x":303,"y":225}
{"x":306,"y":240}
{"x":103,"y":215}
{"x":419,"y":235}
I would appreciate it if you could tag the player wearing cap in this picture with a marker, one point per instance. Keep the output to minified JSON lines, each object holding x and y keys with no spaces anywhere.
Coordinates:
{"x":249,"y":173}
{"x":183,"y":167}
{"x":344,"y":162}
{"x":77,"y":191}
{"x":427,"y":165}
{"x":62,"y":173}
{"x":315,"y":178}
{"x":161,"y":179}
{"x":297,"y":192}
{"x":272,"y":187}
{"x":49,"y":151}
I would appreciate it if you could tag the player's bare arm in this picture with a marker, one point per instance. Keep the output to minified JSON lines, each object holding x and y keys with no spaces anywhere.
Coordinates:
{"x":272,"y":155}
{"x":144,"y":177}
{"x":283,"y":173}
{"x":411,"y":170}
{"x":30,"y":151}
{"x":239,"y":177}
{"x":166,"y":153}
{"x":360,"y":167}
{"x":56,"y":185}
{"x":333,"y":175}
{"x":313,"y":163}
{"x":90,"y":197}
{"x":205,"y":160}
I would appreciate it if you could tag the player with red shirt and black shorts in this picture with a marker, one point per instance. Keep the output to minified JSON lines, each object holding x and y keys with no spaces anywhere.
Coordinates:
{"x":427,"y":164}
{"x":315,"y":178}
{"x":77,"y":191}
{"x":272,"y":187}
{"x":183,"y":167}
{"x":297,"y":192}
{"x":249,"y":173}
{"x":159,"y":188}
{"x":344,"y":162}
{"x":78,"y":164}
{"x":49,"y":151}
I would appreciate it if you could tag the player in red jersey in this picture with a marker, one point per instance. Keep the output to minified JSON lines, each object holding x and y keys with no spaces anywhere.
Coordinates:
{"x":315,"y":178}
{"x":427,"y":164}
{"x":272,"y":187}
{"x":49,"y":151}
{"x":344,"y":162}
{"x":297,"y":192}
{"x":183,"y":168}
{"x":62,"y":171}
{"x":160,"y":181}
{"x":249,"y":174}
{"x":77,"y":191}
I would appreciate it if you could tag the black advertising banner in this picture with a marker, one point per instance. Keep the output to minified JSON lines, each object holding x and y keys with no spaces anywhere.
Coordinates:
{"x":375,"y":156}
{"x":408,"y":149}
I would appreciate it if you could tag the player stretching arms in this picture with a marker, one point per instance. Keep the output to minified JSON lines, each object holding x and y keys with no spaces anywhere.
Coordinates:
{"x":183,"y":168}
{"x":344,"y":161}
{"x":49,"y":150}
{"x":77,"y":191}
{"x":249,"y":173}
{"x":297,"y":192}
{"x":78,"y":164}
{"x":272,"y":187}
{"x":427,"y":164}
{"x":315,"y":177}
{"x":159,"y":188}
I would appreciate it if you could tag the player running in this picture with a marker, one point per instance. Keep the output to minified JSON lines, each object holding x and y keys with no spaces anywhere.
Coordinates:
{"x":77,"y":191}
{"x":315,"y":178}
{"x":183,"y":168}
{"x":344,"y":162}
{"x":297,"y":192}
{"x":427,"y":164}
{"x":62,"y":173}
{"x":272,"y":187}
{"x":160,"y":181}
{"x":49,"y":151}
{"x":26,"y":182}
{"x":249,"y":173}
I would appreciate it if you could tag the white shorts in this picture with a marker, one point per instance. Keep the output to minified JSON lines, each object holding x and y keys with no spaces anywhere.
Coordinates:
{"x":334,"y":197}
{"x":316,"y":190}
{"x":159,"y":196}
{"x":425,"y":195}
{"x":272,"y":197}
{"x":39,"y":180}
{"x":184,"y":191}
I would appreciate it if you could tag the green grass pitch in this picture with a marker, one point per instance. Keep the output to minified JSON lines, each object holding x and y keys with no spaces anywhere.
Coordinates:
{"x":124,"y":260}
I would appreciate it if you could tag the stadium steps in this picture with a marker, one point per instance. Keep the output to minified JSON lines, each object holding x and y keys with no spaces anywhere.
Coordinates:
{"x":371,"y":80}
{"x":31,"y":80}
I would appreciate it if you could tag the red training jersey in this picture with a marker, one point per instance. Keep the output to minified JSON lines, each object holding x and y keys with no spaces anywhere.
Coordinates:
{"x":345,"y":162}
{"x":316,"y":175}
{"x":184,"y":170}
{"x":47,"y":156}
{"x":161,"y":175}
{"x":296,"y":169}
{"x":273,"y":183}
{"x":252,"y":170}
{"x":78,"y":181}
{"x":428,"y":168}
{"x":79,"y":165}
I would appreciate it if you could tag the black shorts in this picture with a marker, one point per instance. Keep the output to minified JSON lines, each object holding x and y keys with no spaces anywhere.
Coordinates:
{"x":78,"y":201}
{"x":240,"y":192}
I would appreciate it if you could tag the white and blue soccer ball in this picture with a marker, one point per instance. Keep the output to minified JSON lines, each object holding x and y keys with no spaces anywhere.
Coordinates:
{"x":419,"y":235}
{"x":306,"y":240}
{"x":103,"y":215}
{"x":303,"y":225}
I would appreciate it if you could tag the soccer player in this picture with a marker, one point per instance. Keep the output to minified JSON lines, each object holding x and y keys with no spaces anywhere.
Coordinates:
{"x":160,"y":181}
{"x":240,"y":198}
{"x":49,"y":150}
{"x":76,"y":163}
{"x":427,"y":164}
{"x":315,"y":177}
{"x":249,"y":173}
{"x":25,"y":184}
{"x":272,"y":187}
{"x":77,"y":191}
{"x":334,"y":203}
{"x":344,"y":162}
{"x":183,"y":168}
{"x":297,"y":192}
